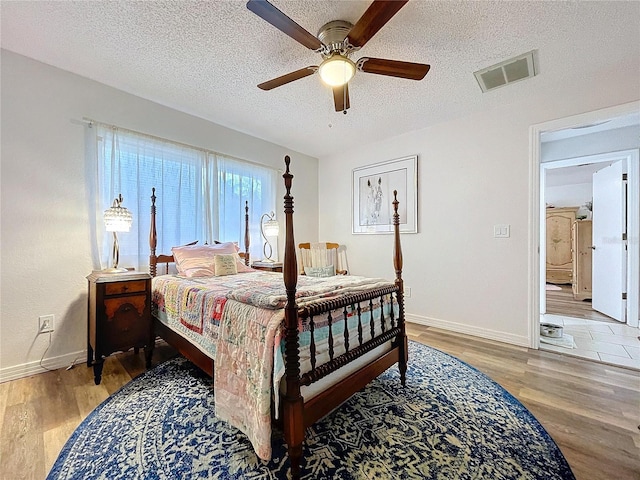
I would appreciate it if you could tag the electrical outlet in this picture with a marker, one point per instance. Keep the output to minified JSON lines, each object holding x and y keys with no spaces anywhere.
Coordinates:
{"x":407,"y":292}
{"x":45,"y":323}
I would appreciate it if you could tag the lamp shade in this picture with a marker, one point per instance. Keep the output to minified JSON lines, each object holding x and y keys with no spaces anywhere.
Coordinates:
{"x":337,"y":70}
{"x":117,"y":218}
{"x":271,"y":228}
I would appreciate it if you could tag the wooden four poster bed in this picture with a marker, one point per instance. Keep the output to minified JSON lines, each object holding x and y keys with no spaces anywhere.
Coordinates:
{"x":361,"y":342}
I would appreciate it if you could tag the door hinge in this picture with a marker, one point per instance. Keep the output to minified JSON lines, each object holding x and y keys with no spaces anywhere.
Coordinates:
{"x":624,"y":177}
{"x":624,"y":295}
{"x":624,"y":237}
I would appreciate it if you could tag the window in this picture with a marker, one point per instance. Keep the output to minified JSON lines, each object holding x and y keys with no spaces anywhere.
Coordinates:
{"x":200,"y":195}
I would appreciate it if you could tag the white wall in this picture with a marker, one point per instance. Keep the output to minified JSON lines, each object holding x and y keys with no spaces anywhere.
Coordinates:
{"x":46,"y":253}
{"x":572,"y":194}
{"x":569,"y":195}
{"x":473,"y":174}
{"x":618,"y":139}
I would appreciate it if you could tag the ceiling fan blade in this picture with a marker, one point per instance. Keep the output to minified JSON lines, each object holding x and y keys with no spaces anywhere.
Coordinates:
{"x":393,"y":68}
{"x":376,"y":16}
{"x":341,"y":97}
{"x":288,"y":78}
{"x":275,"y":17}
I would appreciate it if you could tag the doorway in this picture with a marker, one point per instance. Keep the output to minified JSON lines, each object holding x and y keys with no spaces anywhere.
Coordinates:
{"x":596,"y":331}
{"x":567,"y":188}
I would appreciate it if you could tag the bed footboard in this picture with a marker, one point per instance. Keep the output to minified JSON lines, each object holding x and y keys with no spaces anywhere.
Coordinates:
{"x":298,"y":414}
{"x":370,"y":333}
{"x":352,"y":306}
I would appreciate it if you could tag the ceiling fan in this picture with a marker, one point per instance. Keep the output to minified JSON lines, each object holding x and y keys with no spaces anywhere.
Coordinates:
{"x":336,"y":42}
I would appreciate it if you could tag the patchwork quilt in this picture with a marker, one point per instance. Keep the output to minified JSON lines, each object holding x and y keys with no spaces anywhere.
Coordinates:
{"x":238,"y":321}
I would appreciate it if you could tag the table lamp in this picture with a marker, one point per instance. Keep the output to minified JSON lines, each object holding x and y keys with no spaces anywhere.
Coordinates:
{"x":116,"y":219}
{"x":268,"y":228}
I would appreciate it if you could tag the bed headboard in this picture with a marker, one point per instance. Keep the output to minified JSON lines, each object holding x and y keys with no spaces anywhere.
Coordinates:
{"x":161,"y":259}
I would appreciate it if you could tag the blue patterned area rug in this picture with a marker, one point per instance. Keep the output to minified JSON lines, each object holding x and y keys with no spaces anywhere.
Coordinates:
{"x":450,"y":422}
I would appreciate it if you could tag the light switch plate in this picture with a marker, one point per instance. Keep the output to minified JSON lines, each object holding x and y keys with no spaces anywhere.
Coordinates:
{"x":501,"y":231}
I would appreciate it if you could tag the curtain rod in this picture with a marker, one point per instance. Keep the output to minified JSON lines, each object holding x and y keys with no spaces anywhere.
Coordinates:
{"x":90,"y":122}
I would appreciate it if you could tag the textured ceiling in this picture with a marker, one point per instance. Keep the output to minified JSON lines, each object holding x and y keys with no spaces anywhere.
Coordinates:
{"x":206,"y":58}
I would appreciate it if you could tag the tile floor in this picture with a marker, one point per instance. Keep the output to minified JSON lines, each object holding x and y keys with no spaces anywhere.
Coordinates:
{"x":613,"y":343}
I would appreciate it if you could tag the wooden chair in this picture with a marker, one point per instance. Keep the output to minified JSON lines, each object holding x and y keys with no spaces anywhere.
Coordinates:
{"x":323,"y":254}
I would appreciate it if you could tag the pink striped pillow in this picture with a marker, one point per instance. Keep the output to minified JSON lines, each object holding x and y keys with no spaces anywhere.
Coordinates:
{"x":198,"y":260}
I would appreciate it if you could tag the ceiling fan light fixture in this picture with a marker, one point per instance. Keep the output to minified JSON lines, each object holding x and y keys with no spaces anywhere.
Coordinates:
{"x":337,"y":70}
{"x":336,"y":42}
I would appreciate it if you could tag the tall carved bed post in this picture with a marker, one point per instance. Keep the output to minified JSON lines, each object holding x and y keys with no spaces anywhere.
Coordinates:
{"x":397,"y":263}
{"x":153,"y":236}
{"x":153,"y":242}
{"x":246,"y":232}
{"x":293,"y":402}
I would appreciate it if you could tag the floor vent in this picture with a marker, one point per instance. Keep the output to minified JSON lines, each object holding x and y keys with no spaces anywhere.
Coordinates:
{"x":512,"y":70}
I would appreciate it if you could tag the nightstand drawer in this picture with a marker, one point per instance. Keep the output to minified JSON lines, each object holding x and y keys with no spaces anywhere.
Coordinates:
{"x":118,"y":288}
{"x":125,"y":305}
{"x":124,"y":324}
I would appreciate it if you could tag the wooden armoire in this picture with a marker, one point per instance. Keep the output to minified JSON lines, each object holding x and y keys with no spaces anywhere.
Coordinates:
{"x":559,"y":244}
{"x":582,"y":258}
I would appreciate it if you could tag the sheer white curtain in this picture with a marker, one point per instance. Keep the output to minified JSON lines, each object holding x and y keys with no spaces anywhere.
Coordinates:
{"x":131,"y":165}
{"x":200,"y":195}
{"x":239,"y":182}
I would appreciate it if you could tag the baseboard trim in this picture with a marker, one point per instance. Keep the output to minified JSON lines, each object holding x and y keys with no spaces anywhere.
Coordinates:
{"x":64,"y":361}
{"x":33,"y":368}
{"x":518,"y":340}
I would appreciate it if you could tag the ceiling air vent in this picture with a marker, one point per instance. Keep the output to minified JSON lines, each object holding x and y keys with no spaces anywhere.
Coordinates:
{"x":512,"y":70}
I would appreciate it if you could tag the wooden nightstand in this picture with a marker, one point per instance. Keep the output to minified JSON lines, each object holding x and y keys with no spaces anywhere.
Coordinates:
{"x":268,"y":266}
{"x":119,"y":317}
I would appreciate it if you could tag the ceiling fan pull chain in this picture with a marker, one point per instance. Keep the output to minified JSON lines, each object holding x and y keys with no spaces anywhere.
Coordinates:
{"x":344,"y":99}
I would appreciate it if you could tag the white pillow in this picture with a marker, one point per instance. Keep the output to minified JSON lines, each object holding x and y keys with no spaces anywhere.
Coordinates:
{"x":225,"y":264}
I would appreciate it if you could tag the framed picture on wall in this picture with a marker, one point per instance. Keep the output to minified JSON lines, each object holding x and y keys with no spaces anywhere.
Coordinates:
{"x":372,"y":194}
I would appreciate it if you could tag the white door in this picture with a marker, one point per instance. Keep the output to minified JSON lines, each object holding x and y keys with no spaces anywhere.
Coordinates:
{"x":609,"y":255}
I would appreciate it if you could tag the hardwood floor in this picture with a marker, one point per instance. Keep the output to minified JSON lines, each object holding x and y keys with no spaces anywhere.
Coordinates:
{"x":39,"y":413}
{"x":592,"y":411}
{"x":561,"y":302}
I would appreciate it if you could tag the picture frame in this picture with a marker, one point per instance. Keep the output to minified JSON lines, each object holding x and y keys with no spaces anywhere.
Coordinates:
{"x":372,"y":196}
